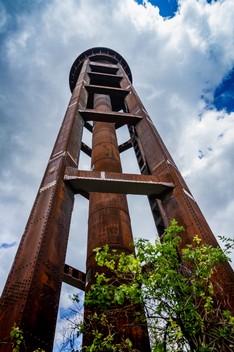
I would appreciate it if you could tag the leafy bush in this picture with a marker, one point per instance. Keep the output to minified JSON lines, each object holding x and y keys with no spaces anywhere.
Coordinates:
{"x":181,"y":307}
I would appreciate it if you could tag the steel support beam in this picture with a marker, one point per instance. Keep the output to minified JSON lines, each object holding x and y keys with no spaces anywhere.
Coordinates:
{"x":114,"y":182}
{"x":111,"y":117}
{"x":109,"y":220}
{"x":125,"y":146}
{"x":74,"y":277}
{"x":31,"y":295}
{"x":95,"y":89}
{"x":154,"y":159}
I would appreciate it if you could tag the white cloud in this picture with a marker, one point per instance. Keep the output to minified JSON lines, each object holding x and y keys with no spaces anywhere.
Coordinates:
{"x":210,"y":177}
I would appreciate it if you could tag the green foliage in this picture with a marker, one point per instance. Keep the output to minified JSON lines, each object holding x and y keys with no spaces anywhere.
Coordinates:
{"x":177,"y":292}
{"x":17,"y":338}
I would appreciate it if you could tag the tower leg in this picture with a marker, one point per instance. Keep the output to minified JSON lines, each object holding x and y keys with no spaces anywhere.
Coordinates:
{"x":30,"y":298}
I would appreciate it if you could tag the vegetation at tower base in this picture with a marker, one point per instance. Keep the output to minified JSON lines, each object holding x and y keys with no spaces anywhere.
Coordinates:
{"x":181,"y":305}
{"x":180,"y":302}
{"x":17,"y":342}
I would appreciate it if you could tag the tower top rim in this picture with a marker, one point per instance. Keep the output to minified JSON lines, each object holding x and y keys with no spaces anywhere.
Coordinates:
{"x":95,"y":54}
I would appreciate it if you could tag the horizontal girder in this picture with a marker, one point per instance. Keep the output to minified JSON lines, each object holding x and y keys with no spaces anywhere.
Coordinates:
{"x":74,"y":277}
{"x":112,"y":117}
{"x":113,"y":182}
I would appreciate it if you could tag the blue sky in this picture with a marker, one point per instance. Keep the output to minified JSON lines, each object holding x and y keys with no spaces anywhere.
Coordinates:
{"x":167,"y":8}
{"x":224,"y":93}
{"x":181,"y":56}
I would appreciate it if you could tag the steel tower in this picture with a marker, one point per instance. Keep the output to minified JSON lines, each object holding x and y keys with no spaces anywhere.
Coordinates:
{"x":103,"y":99}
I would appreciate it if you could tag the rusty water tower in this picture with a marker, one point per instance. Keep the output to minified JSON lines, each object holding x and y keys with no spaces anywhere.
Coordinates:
{"x":103,"y":99}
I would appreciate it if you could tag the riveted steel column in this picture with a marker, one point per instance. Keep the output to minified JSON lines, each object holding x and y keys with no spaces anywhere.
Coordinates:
{"x":109,"y":221}
{"x":31,"y":295}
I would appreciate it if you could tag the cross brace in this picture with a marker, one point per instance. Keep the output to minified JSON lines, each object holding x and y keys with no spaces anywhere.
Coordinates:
{"x":113,"y":182}
{"x":74,"y":277}
{"x":112,"y":117}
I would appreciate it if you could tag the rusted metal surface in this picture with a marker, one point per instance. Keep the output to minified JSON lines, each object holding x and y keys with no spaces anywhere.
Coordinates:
{"x":97,"y":55}
{"x":112,"y":117}
{"x":106,"y":90}
{"x":74,"y":277}
{"x":125,"y":146}
{"x":154,"y":159}
{"x":31,"y":295}
{"x":108,"y":213}
{"x":86,"y":149}
{"x":109,"y":221}
{"x":97,"y":78}
{"x":114,"y":182}
{"x":103,"y":68}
